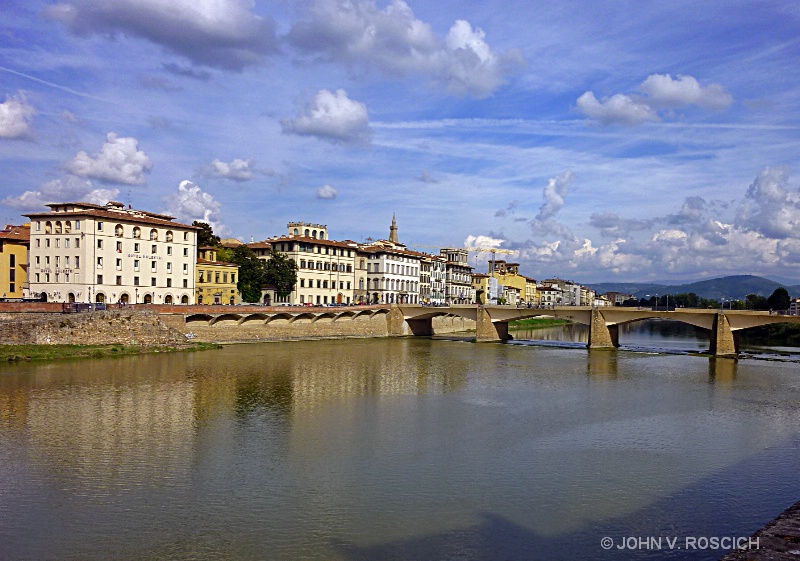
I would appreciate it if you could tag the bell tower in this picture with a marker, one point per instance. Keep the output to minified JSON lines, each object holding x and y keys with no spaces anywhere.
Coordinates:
{"x":393,"y":230}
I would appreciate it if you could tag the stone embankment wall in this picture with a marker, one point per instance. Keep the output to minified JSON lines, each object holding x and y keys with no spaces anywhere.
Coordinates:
{"x":117,"y":327}
{"x":443,"y":325}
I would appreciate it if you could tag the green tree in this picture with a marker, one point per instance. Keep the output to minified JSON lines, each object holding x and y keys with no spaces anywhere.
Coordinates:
{"x":779,"y":300}
{"x":205,"y":235}
{"x":756,"y":302}
{"x":252,"y":273}
{"x":281,"y":272}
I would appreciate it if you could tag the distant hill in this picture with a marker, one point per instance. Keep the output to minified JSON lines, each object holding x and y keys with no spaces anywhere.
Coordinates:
{"x":738,"y":286}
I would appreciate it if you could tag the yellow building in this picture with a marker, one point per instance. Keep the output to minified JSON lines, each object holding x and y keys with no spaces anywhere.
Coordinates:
{"x":507,"y":274}
{"x":216,"y":280}
{"x":480,"y":283}
{"x":14,"y":244}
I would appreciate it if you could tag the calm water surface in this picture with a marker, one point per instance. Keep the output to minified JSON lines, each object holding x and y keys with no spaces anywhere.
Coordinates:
{"x":401,"y":449}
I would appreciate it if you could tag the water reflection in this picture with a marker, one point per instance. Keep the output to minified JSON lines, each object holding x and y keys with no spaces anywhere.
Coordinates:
{"x":387,"y":449}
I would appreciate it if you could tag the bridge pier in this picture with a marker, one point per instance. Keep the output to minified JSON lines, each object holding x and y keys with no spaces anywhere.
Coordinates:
{"x":397,"y":325}
{"x":724,"y":341}
{"x":602,"y":336}
{"x":486,"y":330}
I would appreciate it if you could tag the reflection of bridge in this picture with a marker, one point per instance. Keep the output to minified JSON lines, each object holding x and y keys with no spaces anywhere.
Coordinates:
{"x":492,"y":321}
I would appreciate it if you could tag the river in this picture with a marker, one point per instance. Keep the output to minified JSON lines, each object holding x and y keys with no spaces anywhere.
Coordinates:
{"x":395,"y":449}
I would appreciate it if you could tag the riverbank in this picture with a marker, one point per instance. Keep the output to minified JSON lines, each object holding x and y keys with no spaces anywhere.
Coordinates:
{"x":536,"y":323}
{"x":778,"y":540}
{"x":40,"y":353}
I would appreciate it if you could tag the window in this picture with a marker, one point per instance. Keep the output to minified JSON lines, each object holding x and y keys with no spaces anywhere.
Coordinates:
{"x":48,"y":227}
{"x":119,"y":279}
{"x":154,"y":249}
{"x":186,"y":236}
{"x":67,"y":227}
{"x":47,"y":242}
{"x":99,"y":244}
{"x":169,"y":268}
{"x":153,"y":234}
{"x":99,"y":279}
{"x":186,"y":252}
{"x":135,"y":281}
{"x":37,"y":277}
{"x":77,"y":224}
{"x":99,"y":226}
{"x":185,"y":268}
{"x":169,"y":235}
{"x":137,"y":232}
{"x":216,"y":277}
{"x":169,"y":283}
{"x":12,"y":276}
{"x":77,"y":242}
{"x":135,"y":264}
{"x":99,"y":262}
{"x":37,"y":242}
{"x":118,"y":230}
{"x":152,"y":281}
{"x":77,"y":262}
{"x":185,"y":284}
{"x":12,"y":287}
{"x":47,"y":277}
{"x":58,"y":242}
{"x":325,"y":284}
{"x":169,"y":250}
{"x":233,"y":277}
{"x":319,"y":283}
{"x":152,"y":265}
{"x":225,"y":277}
{"x":37,"y":261}
{"x":119,"y":264}
{"x":58,"y":261}
{"x":136,"y":247}
{"x":302,"y":283}
{"x":38,"y":226}
{"x":201,"y":276}
{"x":66,"y":243}
{"x":47,"y":261}
{"x":12,"y":260}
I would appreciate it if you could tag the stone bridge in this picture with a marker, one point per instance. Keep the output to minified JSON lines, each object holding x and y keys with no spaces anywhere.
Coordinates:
{"x":492,"y":321}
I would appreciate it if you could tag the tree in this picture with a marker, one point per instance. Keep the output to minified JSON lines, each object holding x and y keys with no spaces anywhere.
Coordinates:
{"x":281,"y":272}
{"x":779,"y":300}
{"x":205,"y":235}
{"x":756,"y":302}
{"x":252,"y":273}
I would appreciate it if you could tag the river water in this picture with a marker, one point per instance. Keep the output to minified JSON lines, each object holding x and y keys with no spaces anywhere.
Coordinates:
{"x":395,"y":449}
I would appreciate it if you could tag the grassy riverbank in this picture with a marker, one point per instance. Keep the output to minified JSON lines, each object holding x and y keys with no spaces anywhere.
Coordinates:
{"x":536,"y":323}
{"x":37,"y":353}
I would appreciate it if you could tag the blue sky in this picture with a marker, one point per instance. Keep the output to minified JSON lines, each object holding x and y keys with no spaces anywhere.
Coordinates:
{"x":601,"y":140}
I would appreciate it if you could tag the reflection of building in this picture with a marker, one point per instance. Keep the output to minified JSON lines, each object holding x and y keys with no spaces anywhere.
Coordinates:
{"x":216,"y":280}
{"x":82,"y":252}
{"x":14,"y":242}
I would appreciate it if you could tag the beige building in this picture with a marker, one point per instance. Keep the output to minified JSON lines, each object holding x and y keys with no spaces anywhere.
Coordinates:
{"x":83,"y":252}
{"x":325,"y":268}
{"x":216,"y":280}
{"x":459,"y":289}
{"x":14,"y":242}
{"x":393,"y":273}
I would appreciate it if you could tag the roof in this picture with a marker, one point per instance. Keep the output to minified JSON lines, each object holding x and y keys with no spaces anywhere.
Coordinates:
{"x":259,"y":245}
{"x":16,"y":233}
{"x":216,"y":263}
{"x":266,"y":244}
{"x":98,"y":211}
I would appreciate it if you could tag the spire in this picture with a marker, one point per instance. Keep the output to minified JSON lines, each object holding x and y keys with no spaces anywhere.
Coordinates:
{"x":393,"y":230}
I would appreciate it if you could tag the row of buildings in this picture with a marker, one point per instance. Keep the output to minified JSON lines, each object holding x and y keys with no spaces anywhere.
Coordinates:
{"x":81,"y":252}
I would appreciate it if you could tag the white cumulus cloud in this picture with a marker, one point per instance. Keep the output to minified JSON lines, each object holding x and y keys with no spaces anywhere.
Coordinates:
{"x":235,"y":170}
{"x":331,"y":116}
{"x":327,"y":192}
{"x":218,"y":33}
{"x":393,"y":41}
{"x":15,"y":117}
{"x":68,"y":189}
{"x":617,"y":109}
{"x":664,"y":91}
{"x":119,"y":161}
{"x":191,"y":203}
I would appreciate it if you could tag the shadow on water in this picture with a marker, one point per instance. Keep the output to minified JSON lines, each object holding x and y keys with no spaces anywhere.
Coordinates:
{"x":496,"y":538}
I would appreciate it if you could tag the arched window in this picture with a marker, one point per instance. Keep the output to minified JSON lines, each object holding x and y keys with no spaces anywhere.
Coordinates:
{"x":100,"y":298}
{"x":71,"y":297}
{"x":361,"y":284}
{"x":124,"y":298}
{"x":153,"y":234}
{"x":137,"y":232}
{"x":118,"y":230}
{"x":296,"y":232}
{"x":306,"y":232}
{"x":313,"y":233}
{"x":184,"y":299}
{"x":67,"y":227}
{"x":168,"y":299}
{"x":148,"y":299}
{"x":362,"y":264}
{"x":58,"y":228}
{"x":170,"y":237}
{"x":48,"y":227}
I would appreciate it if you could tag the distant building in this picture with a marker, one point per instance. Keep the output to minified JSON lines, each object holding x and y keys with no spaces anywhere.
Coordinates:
{"x":794,"y":307}
{"x":82,"y":252}
{"x":459,"y":289}
{"x":14,"y":247}
{"x":618,"y":298}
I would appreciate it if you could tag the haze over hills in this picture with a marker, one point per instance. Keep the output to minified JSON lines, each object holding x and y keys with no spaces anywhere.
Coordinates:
{"x":737,"y":286}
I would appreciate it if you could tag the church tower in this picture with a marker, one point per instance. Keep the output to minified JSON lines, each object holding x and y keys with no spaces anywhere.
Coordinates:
{"x":393,"y":230}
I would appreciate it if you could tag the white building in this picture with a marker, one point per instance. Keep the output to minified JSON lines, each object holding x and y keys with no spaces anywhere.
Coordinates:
{"x":82,"y":252}
{"x":794,"y":307}
{"x":458,"y":289}
{"x":393,"y":273}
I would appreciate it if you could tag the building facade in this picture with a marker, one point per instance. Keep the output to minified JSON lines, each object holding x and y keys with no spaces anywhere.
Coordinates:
{"x":82,"y":252}
{"x":216,"y":280}
{"x":14,"y":242}
{"x":458,"y":276}
{"x":393,"y":273}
